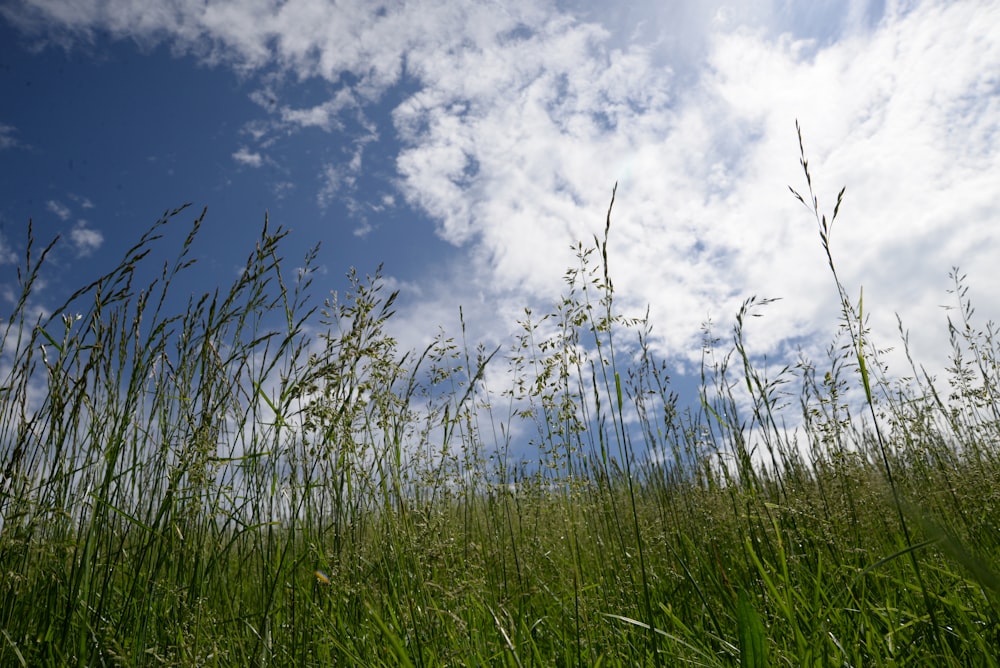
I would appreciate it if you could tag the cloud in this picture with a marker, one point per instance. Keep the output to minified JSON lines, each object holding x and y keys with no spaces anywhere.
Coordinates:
{"x":905,"y":117}
{"x":340,"y":180}
{"x":515,"y":162}
{"x":281,"y":189}
{"x":334,"y":180}
{"x":85,"y":240}
{"x":7,"y":254}
{"x":304,"y":37}
{"x":323,"y":116}
{"x":59,"y":209}
{"x":245,"y":157}
{"x":7,"y":138}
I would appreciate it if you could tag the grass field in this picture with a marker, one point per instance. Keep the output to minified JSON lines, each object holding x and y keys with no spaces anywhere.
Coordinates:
{"x":252,"y":482}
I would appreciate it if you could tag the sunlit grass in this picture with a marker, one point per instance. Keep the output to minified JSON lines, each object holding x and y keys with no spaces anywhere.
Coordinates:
{"x":252,"y":482}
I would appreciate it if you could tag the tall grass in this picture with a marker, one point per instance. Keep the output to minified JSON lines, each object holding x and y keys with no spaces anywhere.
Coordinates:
{"x":250,"y":481}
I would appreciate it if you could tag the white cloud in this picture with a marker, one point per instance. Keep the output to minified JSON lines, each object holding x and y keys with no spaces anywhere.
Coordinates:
{"x":245,"y":157}
{"x":7,"y":254}
{"x":903,"y":116}
{"x":59,"y":209}
{"x":341,"y":180}
{"x":85,"y":239}
{"x":518,"y":161}
{"x":306,"y":37}
{"x":334,"y":180}
{"x":364,"y":229}
{"x":281,"y":189}
{"x":7,"y":139}
{"x":323,"y":116}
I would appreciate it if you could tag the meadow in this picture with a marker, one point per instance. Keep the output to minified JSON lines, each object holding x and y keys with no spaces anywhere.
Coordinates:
{"x":255,"y":481}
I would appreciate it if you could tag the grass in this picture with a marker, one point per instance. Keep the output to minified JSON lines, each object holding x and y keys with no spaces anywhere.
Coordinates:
{"x":254,"y":482}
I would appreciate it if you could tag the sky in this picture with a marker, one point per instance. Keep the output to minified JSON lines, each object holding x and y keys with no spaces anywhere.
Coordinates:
{"x":469,"y":145}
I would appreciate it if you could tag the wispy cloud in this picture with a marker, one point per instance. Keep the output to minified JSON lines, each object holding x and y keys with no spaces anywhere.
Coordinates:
{"x":7,"y":254}
{"x":333,"y":180}
{"x":324,"y":116}
{"x":83,"y":202}
{"x":7,"y":138}
{"x":85,"y":239}
{"x":281,"y":189}
{"x":59,"y":209}
{"x":339,"y":180}
{"x":245,"y":157}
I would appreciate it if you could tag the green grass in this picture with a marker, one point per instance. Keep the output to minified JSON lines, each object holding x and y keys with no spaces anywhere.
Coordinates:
{"x":252,"y":482}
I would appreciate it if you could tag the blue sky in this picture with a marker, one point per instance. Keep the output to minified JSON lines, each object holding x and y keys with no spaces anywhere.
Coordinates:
{"x":468,"y":145}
